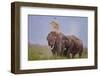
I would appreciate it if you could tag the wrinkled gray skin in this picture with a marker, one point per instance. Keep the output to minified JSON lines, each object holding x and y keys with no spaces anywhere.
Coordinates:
{"x":64,"y":45}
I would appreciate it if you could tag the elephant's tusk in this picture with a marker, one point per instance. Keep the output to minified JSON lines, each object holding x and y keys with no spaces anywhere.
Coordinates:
{"x":52,"y":47}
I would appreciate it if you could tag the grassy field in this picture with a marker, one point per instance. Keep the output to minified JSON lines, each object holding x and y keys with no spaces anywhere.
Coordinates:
{"x":39,"y":52}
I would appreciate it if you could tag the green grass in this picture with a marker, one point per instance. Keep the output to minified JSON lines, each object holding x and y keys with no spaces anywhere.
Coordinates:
{"x":40,"y":52}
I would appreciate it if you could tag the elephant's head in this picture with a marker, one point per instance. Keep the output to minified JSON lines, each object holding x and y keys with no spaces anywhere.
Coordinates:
{"x":65,"y":40}
{"x":51,"y":39}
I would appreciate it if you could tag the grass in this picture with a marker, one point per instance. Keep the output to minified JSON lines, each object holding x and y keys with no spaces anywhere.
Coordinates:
{"x":40,"y":52}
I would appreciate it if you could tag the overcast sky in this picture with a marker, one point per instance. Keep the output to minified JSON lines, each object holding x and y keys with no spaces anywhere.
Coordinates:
{"x":39,"y":27}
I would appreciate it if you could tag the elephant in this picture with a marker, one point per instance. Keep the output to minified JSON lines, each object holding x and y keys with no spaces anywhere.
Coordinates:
{"x":73,"y":46}
{"x":62,"y":45}
{"x":55,"y":41}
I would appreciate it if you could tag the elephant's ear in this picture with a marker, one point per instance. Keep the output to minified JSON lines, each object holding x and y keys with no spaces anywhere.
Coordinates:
{"x":48,"y":37}
{"x":67,"y":40}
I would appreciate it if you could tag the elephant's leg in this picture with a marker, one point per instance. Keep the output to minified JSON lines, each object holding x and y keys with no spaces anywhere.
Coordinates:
{"x":56,"y":50}
{"x":80,"y":54}
{"x":62,"y":51}
{"x":56,"y":53}
{"x":59,"y":50}
{"x":68,"y":53}
{"x":73,"y":55}
{"x":52,"y":51}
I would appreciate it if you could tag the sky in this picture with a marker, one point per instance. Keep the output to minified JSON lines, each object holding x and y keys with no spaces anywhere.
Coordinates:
{"x":39,"y":27}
